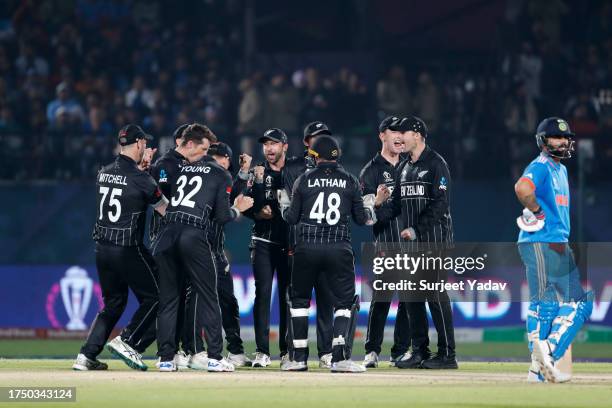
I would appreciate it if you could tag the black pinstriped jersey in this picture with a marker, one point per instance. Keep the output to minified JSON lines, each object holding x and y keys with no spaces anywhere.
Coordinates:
{"x":323,"y":202}
{"x":422,"y":197}
{"x":201,"y":194}
{"x":123,"y":194}
{"x":164,"y":171}
{"x":216,"y":238}
{"x":376,"y":172}
{"x":294,"y":168}
{"x":264,"y":193}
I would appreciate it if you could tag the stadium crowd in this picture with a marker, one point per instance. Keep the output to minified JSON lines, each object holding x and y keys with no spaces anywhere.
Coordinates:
{"x":73,"y":72}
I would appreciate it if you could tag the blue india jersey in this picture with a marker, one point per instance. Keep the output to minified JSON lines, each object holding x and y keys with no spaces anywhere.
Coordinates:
{"x":552,"y":192}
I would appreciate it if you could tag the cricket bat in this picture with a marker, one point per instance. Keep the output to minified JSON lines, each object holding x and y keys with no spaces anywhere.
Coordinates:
{"x":565,"y":363}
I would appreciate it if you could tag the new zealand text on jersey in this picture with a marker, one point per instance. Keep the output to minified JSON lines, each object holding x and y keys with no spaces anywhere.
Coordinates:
{"x":413,"y":190}
{"x":327,"y":183}
{"x":112,"y":178}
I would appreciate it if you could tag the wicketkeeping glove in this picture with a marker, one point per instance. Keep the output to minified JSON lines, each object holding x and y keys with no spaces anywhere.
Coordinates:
{"x":530,"y":221}
{"x":368,"y":202}
{"x":283,"y":200}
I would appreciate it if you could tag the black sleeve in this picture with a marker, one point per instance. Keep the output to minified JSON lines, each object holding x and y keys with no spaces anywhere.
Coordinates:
{"x":163,"y":184}
{"x":437,"y":206}
{"x":241,"y":186}
{"x":367,"y":180}
{"x":151,"y":191}
{"x":357,"y":209}
{"x":223,"y":212}
{"x":259,"y":196}
{"x":290,"y":173}
{"x":393,"y":207}
{"x":292,"y":215}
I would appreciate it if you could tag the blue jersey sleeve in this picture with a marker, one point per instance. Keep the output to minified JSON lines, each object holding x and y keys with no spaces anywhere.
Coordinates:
{"x":537,"y":173}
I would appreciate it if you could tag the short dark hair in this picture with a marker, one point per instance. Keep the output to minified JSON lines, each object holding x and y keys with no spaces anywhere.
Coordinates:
{"x":196,"y":132}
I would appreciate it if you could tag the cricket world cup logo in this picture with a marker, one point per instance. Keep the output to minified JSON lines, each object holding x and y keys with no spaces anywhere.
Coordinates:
{"x":76,"y":289}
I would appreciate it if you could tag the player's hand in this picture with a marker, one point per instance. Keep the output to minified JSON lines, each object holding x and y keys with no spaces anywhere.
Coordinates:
{"x":245,"y":162}
{"x":408,"y":234}
{"x":531,"y":221}
{"x":265,"y":213}
{"x":382,"y":194}
{"x":243,"y":203}
{"x":259,"y":173}
{"x":147,"y":158}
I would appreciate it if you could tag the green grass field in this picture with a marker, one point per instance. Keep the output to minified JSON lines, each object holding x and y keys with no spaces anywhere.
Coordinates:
{"x":473,"y":385}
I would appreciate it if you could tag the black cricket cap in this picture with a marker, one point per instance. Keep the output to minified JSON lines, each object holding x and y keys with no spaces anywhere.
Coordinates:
{"x":220,"y":149}
{"x":223,"y":150}
{"x":325,"y":147}
{"x":131,"y":134}
{"x":411,"y":123}
{"x":315,"y":129}
{"x":274,"y":134}
{"x":386,"y":122}
{"x":178,"y":133}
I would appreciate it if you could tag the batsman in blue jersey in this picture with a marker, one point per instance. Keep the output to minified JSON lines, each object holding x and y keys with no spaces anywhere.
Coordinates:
{"x":558,"y":304}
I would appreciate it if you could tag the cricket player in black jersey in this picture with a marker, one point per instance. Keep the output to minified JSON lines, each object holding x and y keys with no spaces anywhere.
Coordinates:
{"x":379,"y":172}
{"x":200,"y":196}
{"x":294,"y":168}
{"x":421,"y":197}
{"x":322,"y":204}
{"x":268,"y":242}
{"x":230,"y":313}
{"x":123,"y":193}
{"x":165,"y":171}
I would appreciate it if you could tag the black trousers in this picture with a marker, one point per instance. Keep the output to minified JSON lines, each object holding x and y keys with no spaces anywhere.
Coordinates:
{"x":336,"y":262}
{"x":184,"y":250}
{"x":325,"y":312}
{"x":267,"y":258}
{"x":230,"y":312}
{"x":442,"y":316}
{"x":377,"y":318}
{"x":120,"y":269}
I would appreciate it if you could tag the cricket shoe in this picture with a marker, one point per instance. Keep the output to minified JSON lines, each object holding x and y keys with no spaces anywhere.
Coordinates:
{"x":542,"y":353}
{"x":166,"y":366}
{"x":285,"y":360}
{"x":125,"y":352}
{"x":83,"y":363}
{"x":347,"y":366}
{"x":402,"y":357}
{"x":261,"y":360}
{"x":239,"y":360}
{"x":325,"y":361}
{"x":220,"y":366}
{"x":294,"y":366}
{"x":371,"y":360}
{"x":534,"y":375}
{"x":440,"y":362}
{"x":181,"y":359}
{"x":414,"y":361}
{"x":199,"y":361}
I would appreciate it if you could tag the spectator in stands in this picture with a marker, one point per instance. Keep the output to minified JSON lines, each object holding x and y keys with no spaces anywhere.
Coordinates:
{"x":393,"y":94}
{"x":282,"y":105}
{"x":66,"y":104}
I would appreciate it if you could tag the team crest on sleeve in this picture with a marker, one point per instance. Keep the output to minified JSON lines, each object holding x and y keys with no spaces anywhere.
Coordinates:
{"x":443,"y":184}
{"x":163,"y":176}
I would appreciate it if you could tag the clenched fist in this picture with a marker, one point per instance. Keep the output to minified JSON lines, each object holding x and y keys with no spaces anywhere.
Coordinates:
{"x":243,"y":203}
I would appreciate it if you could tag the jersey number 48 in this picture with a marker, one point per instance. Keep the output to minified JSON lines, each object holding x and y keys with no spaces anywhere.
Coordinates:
{"x":332,"y":215}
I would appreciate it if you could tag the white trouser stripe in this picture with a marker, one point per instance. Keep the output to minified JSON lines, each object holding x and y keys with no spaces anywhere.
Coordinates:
{"x":299,"y":312}
{"x":300,"y":343}
{"x":338,"y":341}
{"x":342,"y":313}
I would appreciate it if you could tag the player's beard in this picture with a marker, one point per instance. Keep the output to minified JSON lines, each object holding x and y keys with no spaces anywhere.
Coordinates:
{"x":277,"y":157}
